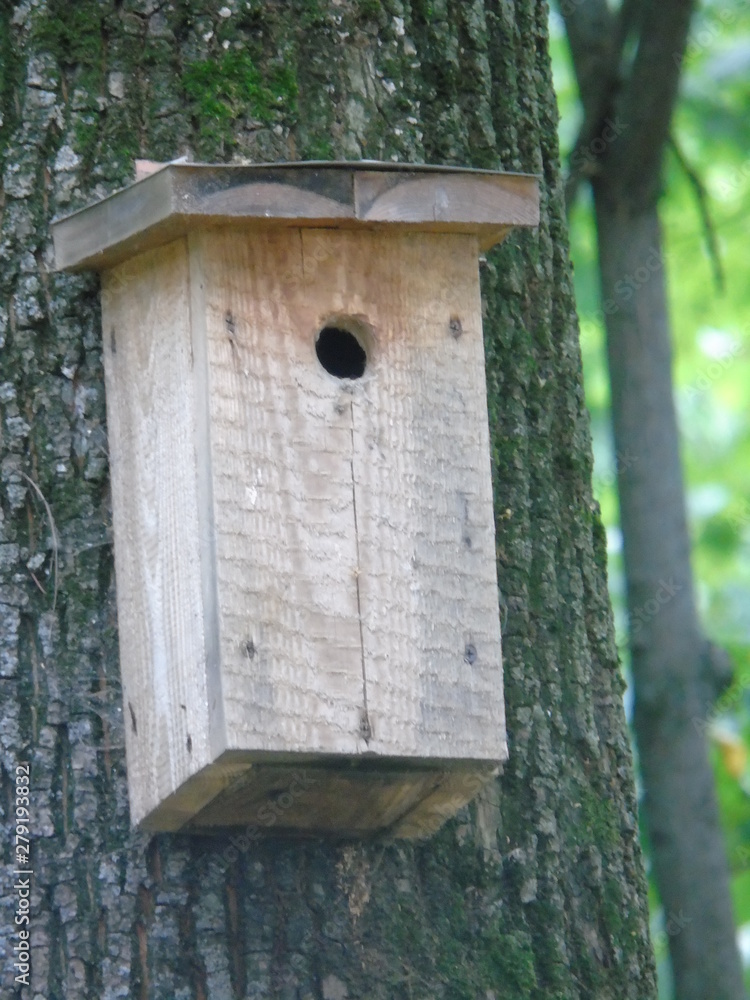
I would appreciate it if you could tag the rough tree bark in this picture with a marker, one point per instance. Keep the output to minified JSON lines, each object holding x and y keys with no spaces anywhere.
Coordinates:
{"x":535,"y":891}
{"x":627,"y":109}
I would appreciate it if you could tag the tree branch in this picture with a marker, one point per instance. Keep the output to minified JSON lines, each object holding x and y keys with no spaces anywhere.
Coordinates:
{"x":641,"y":100}
{"x":589,"y":25}
{"x":590,"y":29}
{"x":647,"y":98}
{"x":701,"y":196}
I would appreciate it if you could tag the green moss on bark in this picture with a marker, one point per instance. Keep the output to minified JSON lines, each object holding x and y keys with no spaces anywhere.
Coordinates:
{"x":228,"y":88}
{"x":72,"y":33}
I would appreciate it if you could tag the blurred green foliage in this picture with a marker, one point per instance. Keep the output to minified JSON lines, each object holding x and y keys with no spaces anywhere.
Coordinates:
{"x":711,"y":357}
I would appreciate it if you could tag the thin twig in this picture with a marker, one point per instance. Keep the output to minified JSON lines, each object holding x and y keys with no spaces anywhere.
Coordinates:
{"x":53,"y":529}
{"x":702,"y":197}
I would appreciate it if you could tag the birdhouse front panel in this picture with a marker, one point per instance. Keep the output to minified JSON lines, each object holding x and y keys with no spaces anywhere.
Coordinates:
{"x":355,"y":571}
{"x":301,"y":492}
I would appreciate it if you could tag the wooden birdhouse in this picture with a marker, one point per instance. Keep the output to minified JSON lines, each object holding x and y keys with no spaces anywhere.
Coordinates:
{"x":303,"y":527}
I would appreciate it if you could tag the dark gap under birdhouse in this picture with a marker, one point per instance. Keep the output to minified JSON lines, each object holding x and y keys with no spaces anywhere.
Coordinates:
{"x":340,"y":353}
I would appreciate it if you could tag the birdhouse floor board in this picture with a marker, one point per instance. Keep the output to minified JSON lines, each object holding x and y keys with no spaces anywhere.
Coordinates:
{"x":350,"y":797}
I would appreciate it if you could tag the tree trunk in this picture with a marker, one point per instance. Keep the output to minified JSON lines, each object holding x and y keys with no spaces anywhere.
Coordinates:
{"x":666,"y":642}
{"x":537,"y":889}
{"x":628,"y":109}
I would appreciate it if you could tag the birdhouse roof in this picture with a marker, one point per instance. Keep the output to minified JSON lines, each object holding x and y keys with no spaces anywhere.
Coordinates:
{"x":179,"y":197}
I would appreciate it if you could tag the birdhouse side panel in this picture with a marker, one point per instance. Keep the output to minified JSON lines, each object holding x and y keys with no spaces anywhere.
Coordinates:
{"x":151,"y":416}
{"x":283,"y":503}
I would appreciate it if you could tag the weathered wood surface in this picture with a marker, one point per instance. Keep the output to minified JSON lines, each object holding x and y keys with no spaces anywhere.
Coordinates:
{"x":172,"y":201}
{"x":340,"y":591}
{"x":151,"y":405}
{"x":280,"y":459}
{"x":345,"y":509}
{"x":358,"y":800}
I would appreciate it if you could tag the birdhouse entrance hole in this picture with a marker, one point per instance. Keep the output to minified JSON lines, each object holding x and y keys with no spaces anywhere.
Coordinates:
{"x":341,"y":352}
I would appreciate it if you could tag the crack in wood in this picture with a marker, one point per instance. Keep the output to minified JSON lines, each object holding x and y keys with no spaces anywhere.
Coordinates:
{"x":365,"y":727}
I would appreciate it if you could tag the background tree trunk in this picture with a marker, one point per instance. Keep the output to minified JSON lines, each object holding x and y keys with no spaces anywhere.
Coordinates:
{"x":535,"y":891}
{"x":628,"y":108}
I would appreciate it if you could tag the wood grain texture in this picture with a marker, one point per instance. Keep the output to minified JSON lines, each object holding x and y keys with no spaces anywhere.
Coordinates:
{"x":426,"y":575}
{"x":150,"y":411}
{"x":355,"y":538}
{"x":283,"y":502}
{"x":337,"y":594}
{"x":356,"y":800}
{"x":183,"y":197}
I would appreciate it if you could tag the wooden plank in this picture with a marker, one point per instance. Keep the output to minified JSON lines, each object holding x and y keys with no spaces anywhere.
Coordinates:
{"x":182,"y":197}
{"x":144,"y":168}
{"x":205,"y":502}
{"x":345,"y":799}
{"x":303,"y":577}
{"x":451,"y":792}
{"x":150,"y":412}
{"x":194,"y":795}
{"x":470,"y":200}
{"x":427,"y":581}
{"x":140,"y":217}
{"x":266,"y":193}
{"x":283,"y":503}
